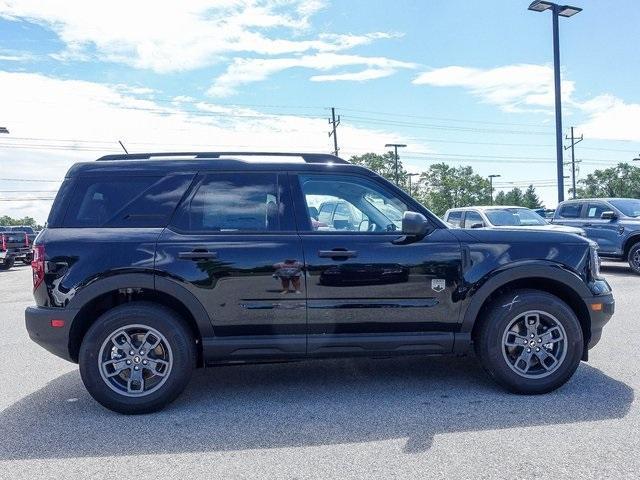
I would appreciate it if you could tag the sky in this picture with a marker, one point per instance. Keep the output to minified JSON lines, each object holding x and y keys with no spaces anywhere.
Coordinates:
{"x":458,"y":81}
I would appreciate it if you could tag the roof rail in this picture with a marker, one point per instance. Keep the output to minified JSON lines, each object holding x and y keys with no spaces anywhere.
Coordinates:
{"x":307,"y":157}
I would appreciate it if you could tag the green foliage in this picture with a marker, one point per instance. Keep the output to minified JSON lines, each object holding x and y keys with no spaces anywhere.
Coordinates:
{"x":383,"y":165}
{"x":9,"y":221}
{"x":529,"y":198}
{"x":623,"y":180}
{"x":442,"y":187}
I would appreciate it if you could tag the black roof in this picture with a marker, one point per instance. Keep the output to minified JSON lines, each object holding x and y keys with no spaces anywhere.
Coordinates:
{"x":153,"y":163}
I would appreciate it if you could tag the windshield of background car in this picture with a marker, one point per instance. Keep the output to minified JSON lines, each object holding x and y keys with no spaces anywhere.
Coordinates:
{"x":630,"y":207}
{"x":514,"y":217}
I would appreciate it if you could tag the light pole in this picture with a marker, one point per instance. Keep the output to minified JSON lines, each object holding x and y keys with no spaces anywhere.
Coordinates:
{"x":395,"y":148}
{"x":491,"y":177}
{"x":562,"y":11}
{"x":411,"y":175}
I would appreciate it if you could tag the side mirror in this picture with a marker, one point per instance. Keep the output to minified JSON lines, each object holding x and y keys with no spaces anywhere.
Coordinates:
{"x":477,"y":225}
{"x":608,"y":215}
{"x":414,"y":224}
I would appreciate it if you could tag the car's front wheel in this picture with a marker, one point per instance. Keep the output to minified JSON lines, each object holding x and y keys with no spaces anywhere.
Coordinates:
{"x":137,"y":358}
{"x":634,"y":258}
{"x":529,"y":341}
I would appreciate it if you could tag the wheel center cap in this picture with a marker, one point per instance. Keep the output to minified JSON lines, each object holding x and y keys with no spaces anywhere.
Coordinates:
{"x":532,"y":343}
{"x":136,"y":359}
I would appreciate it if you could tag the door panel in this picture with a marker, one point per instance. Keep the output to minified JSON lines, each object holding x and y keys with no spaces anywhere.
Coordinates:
{"x":233,"y":245}
{"x":375,"y":293}
{"x":604,"y":232}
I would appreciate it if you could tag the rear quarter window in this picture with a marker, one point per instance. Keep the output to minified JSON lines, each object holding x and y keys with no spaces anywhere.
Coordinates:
{"x":125,"y":201}
{"x":454,"y":218}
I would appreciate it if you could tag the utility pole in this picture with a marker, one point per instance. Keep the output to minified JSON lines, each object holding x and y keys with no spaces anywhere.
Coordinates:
{"x":395,"y":148}
{"x":334,"y":125}
{"x":491,"y":177}
{"x":411,"y":175}
{"x":574,"y":141}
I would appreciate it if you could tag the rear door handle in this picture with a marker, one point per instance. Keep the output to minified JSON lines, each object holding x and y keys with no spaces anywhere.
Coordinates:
{"x":337,"y":253}
{"x":588,"y":225}
{"x":198,"y":255}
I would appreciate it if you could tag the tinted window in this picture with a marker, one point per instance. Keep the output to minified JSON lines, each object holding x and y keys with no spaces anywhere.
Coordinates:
{"x":594,"y":210}
{"x":138,"y":201}
{"x":570,"y":210}
{"x":472,"y":218}
{"x":362,"y":205}
{"x":236,"y":202}
{"x":454,"y":218}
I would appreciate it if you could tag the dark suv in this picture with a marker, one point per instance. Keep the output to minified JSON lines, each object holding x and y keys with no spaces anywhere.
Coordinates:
{"x":154,"y":264}
{"x":614,"y":223}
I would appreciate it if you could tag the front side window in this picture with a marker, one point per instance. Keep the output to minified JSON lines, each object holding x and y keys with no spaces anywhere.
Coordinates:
{"x":236,"y":202}
{"x":594,"y":210}
{"x":473,"y":219}
{"x":361,"y":205}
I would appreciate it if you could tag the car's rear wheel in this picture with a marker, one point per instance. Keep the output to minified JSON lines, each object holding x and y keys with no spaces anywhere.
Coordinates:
{"x":634,"y":258}
{"x":529,"y":341}
{"x":27,"y":259}
{"x":137,"y":358}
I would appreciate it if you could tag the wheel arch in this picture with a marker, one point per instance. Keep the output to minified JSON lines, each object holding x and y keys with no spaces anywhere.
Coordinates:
{"x":106,"y":294}
{"x":554,"y":280}
{"x":630,"y":242}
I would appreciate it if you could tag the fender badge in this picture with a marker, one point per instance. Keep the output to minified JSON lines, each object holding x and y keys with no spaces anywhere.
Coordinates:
{"x":438,"y":284}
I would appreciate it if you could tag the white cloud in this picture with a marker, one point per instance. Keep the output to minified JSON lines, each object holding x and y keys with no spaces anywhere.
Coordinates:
{"x":180,"y":35}
{"x":95,"y":116}
{"x":247,"y":70}
{"x":611,"y":118}
{"x":513,"y":88}
{"x":361,"y":76}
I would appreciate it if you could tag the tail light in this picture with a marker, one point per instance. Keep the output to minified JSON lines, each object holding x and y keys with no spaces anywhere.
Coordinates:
{"x":4,"y":242}
{"x":37,"y":265}
{"x":26,"y":240}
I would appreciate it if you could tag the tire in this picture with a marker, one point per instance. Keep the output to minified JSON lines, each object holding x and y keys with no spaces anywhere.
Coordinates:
{"x":107,"y":371}
{"x":7,"y":263}
{"x":511,"y":319}
{"x":28,"y":259}
{"x":634,"y":258}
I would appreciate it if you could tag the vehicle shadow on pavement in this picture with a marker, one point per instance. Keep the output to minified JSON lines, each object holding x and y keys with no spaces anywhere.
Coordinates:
{"x":620,"y":269}
{"x":303,"y":404}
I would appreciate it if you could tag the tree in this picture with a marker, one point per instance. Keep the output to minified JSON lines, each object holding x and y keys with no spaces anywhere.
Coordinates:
{"x":383,"y":165}
{"x":623,"y":180}
{"x":443,"y":187}
{"x":529,"y":198}
{"x":7,"y":220}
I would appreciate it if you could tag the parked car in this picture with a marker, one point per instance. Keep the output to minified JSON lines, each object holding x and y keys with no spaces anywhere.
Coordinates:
{"x":614,"y":223}
{"x":28,"y":235}
{"x":502,"y":217}
{"x":15,"y":245}
{"x":154,"y":264}
{"x":342,"y":215}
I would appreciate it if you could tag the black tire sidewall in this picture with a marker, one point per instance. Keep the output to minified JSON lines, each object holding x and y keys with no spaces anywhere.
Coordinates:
{"x":489,"y":341}
{"x":634,"y":248}
{"x":155,"y":316}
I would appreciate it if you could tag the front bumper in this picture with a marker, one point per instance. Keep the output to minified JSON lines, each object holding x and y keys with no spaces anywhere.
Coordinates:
{"x":40,"y":329}
{"x":601,"y":309}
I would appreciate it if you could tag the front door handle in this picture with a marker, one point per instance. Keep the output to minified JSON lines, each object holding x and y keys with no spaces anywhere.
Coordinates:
{"x":588,"y":225}
{"x":198,"y":255}
{"x":337,"y":253}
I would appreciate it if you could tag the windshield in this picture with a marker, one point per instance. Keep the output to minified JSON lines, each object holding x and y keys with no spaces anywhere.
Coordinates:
{"x":512,"y":217}
{"x":629,"y":206}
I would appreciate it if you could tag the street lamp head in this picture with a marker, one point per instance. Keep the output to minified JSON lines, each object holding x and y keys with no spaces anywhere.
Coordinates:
{"x":563,"y":10}
{"x":540,"y":6}
{"x":4,"y":130}
{"x":494,"y":176}
{"x":395,"y":145}
{"x":637,"y":159}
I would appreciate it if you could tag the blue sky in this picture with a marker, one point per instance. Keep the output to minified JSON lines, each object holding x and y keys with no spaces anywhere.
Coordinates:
{"x":455,"y":80}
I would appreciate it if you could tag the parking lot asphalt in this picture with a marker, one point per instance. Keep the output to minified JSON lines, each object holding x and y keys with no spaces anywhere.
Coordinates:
{"x":365,"y":418}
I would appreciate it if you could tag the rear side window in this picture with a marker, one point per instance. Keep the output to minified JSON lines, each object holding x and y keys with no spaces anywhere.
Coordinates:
{"x":454,"y":218}
{"x":472,"y":218}
{"x":237,"y":202}
{"x":120,"y":202}
{"x":570,"y":210}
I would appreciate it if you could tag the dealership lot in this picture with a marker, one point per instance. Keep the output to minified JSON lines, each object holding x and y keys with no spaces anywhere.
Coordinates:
{"x":405,"y":417}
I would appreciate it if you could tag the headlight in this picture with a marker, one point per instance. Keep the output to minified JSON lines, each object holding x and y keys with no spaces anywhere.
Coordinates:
{"x":594,"y":263}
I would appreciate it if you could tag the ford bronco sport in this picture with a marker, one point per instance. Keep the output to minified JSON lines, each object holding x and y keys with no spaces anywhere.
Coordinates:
{"x":154,"y":264}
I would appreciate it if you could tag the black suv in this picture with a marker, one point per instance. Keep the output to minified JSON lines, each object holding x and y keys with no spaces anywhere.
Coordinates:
{"x":154,"y":264}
